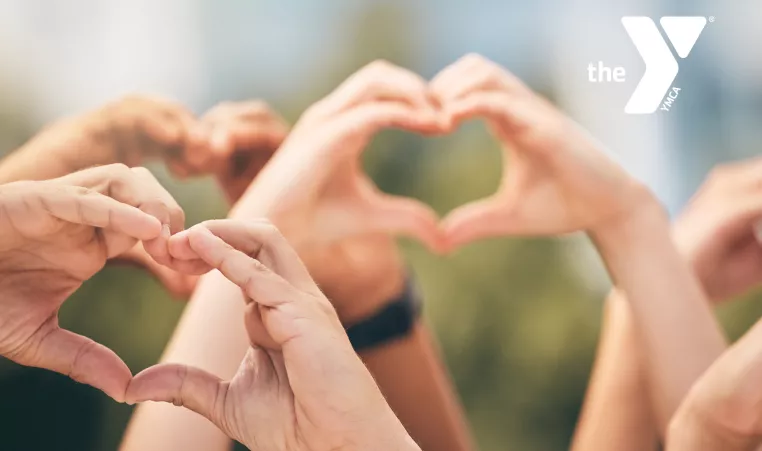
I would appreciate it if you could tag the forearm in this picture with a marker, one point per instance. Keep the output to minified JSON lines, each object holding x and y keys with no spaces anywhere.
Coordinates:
{"x":66,"y":146}
{"x":618,"y":379}
{"x":679,"y":333}
{"x":415,"y":382}
{"x":210,"y":336}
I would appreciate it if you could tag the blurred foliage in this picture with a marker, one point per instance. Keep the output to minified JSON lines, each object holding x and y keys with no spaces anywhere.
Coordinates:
{"x":517,"y":319}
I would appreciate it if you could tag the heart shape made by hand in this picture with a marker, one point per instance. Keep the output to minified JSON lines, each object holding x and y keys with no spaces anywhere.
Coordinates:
{"x":558,"y":181}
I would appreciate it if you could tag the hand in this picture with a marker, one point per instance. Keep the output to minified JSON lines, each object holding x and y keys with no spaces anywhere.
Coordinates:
{"x":556,"y":177}
{"x":56,"y":234}
{"x":716,"y":232}
{"x":300,"y":388}
{"x":328,"y":208}
{"x":131,"y":131}
{"x":235,"y":141}
{"x":315,"y":184}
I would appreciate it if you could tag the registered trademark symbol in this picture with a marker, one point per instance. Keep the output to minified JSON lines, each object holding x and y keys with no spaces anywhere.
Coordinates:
{"x":711,"y":19}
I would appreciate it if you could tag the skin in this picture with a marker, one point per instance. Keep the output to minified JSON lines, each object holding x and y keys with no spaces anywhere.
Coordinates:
{"x":138,"y":129}
{"x":314,"y":190}
{"x":559,"y":181}
{"x":618,"y":379}
{"x":302,"y":388}
{"x":55,"y":235}
{"x":716,"y":236}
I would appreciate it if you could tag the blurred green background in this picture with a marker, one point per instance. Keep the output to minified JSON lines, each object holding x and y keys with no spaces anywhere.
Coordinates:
{"x":517,"y":319}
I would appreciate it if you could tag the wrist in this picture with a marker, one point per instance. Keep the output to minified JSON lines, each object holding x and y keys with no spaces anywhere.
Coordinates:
{"x":366,"y":274}
{"x":644,"y":219}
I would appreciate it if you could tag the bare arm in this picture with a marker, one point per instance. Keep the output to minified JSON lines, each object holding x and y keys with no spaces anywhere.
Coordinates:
{"x":52,"y":152}
{"x":616,"y":413}
{"x":129,"y":131}
{"x":680,"y":335}
{"x":211,"y":336}
{"x":722,"y":409}
{"x":344,"y":231}
{"x":415,"y":382}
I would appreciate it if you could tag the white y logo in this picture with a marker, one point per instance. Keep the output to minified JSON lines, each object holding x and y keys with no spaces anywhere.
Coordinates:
{"x":661,"y":66}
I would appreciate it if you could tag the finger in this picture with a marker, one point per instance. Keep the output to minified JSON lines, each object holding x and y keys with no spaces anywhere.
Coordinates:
{"x":474,"y":221}
{"x":408,"y":217}
{"x":258,"y":281}
{"x":181,"y":385}
{"x":452,"y":73}
{"x":262,"y":240}
{"x":514,"y":114}
{"x":235,"y":144}
{"x":83,"y":360}
{"x":179,"y":281}
{"x":250,"y":110}
{"x":253,"y":135}
{"x":198,"y":149}
{"x":132,"y":186}
{"x":165,"y":122}
{"x":80,"y":205}
{"x":370,"y":118}
{"x":156,"y":201}
{"x":378,"y":81}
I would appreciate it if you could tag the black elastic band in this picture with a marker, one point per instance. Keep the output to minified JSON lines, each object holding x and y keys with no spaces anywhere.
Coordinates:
{"x":393,"y":321}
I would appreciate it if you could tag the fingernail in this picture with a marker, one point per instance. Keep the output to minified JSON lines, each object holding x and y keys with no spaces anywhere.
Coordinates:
{"x":165,"y":232}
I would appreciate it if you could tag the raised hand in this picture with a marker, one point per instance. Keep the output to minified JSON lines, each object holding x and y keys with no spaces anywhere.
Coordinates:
{"x":314,"y":186}
{"x":556,"y":177}
{"x":716,"y":231}
{"x":56,"y":234}
{"x":300,"y":385}
{"x":235,"y":140}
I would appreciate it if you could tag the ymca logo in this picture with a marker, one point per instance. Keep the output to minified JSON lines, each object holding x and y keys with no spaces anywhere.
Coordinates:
{"x":653,"y":89}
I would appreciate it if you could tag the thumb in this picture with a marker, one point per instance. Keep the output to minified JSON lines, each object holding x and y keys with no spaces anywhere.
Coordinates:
{"x":474,"y":221}
{"x":181,"y":385}
{"x":408,"y":217}
{"x":83,"y":360}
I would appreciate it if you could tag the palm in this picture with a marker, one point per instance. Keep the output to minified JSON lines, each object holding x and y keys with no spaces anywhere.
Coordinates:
{"x":729,"y":271}
{"x":259,"y":394}
{"x":62,"y":254}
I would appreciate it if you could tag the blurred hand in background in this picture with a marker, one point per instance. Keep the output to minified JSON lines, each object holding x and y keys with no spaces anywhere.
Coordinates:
{"x":719,"y":231}
{"x":315,"y":191}
{"x":556,"y":177}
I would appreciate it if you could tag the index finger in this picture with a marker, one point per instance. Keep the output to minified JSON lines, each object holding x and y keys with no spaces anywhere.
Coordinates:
{"x":260,"y":240}
{"x":83,"y":206}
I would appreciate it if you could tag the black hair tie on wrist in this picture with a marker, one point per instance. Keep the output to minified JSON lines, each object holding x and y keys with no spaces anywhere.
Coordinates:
{"x":393,"y":321}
